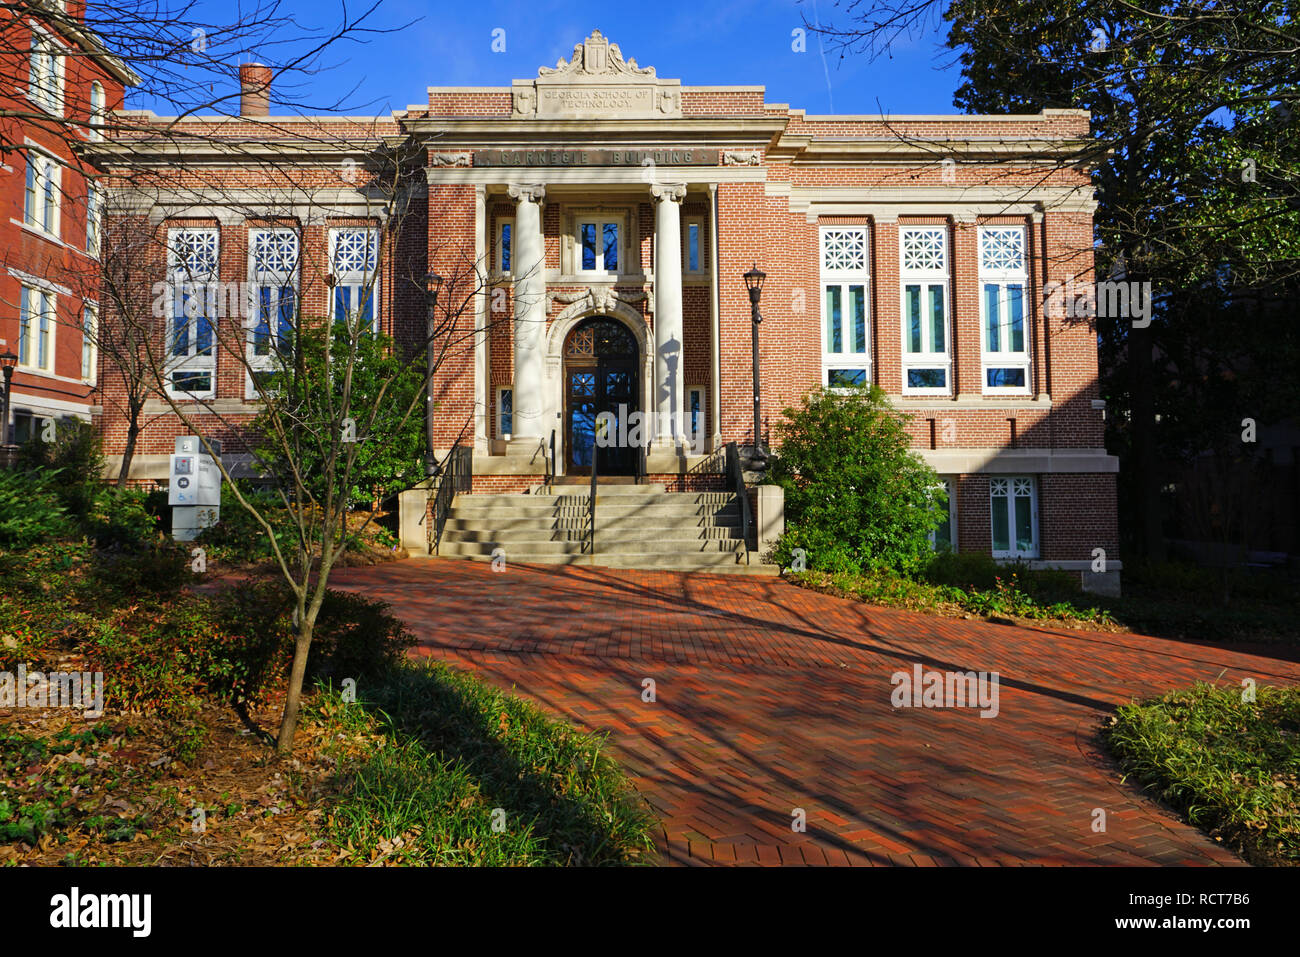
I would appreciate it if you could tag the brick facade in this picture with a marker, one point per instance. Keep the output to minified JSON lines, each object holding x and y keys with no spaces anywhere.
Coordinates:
{"x":780,"y":178}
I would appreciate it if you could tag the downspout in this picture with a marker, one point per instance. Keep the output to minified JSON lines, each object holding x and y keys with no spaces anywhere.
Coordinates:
{"x":715,"y":334}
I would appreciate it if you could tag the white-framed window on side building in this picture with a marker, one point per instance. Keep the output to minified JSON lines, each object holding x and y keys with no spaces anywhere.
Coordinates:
{"x":89,"y":343}
{"x":505,"y":412}
{"x":94,"y":217}
{"x":599,"y":250}
{"x":1004,"y":310}
{"x":354,"y":256}
{"x":1013,"y":516}
{"x":41,"y":197}
{"x":36,"y":313}
{"x":98,"y":112}
{"x":943,"y":537}
{"x":193,"y":263}
{"x":846,"y":345}
{"x":46,"y":72}
{"x":273,"y":275}
{"x":923,"y":279}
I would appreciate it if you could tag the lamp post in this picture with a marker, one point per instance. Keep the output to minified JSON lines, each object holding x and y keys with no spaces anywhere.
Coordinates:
{"x":432,"y":283}
{"x":754,"y":283}
{"x":7,"y":362}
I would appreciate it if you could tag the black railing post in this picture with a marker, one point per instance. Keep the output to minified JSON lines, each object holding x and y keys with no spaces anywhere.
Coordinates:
{"x":591,"y":503}
{"x":736,"y":478}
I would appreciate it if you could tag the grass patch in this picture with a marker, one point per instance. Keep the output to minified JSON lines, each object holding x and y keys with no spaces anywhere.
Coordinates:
{"x":457,"y":772}
{"x":1231,"y":768}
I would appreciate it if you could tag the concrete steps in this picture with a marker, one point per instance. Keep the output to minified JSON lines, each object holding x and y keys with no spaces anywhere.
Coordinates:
{"x":637,"y":526}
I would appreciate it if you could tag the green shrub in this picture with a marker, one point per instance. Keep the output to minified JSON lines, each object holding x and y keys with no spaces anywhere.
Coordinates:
{"x":856,"y":496}
{"x":239,"y":538}
{"x":75,"y":455}
{"x":121,"y":518}
{"x":30,"y":510}
{"x":356,"y":637}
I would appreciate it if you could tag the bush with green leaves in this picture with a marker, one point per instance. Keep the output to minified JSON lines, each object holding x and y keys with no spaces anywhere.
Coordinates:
{"x":75,"y":455}
{"x":30,"y":509}
{"x":856,"y":496}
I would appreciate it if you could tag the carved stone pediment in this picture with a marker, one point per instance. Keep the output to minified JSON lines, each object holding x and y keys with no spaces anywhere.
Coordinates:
{"x":597,"y":82}
{"x":599,"y":299}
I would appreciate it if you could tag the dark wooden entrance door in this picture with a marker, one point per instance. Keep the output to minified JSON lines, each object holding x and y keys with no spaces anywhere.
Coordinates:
{"x":601,"y":362}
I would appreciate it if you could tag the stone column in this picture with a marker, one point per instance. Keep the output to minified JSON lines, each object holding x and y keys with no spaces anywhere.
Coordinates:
{"x":529,"y":268}
{"x":669,"y":389}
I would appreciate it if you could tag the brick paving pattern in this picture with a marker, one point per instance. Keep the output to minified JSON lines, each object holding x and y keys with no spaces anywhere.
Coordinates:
{"x":770,"y":697}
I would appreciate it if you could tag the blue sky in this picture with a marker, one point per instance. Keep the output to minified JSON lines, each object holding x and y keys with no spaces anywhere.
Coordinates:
{"x":705,"y":42}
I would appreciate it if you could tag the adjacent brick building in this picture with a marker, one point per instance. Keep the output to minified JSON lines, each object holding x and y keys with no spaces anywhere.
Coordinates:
{"x":592,"y":226}
{"x":62,"y":86}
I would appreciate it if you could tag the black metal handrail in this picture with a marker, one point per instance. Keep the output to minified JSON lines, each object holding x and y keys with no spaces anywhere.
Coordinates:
{"x":591,"y":502}
{"x":640,"y":464}
{"x":736,"y":479}
{"x":550,"y":463}
{"x":455,"y":476}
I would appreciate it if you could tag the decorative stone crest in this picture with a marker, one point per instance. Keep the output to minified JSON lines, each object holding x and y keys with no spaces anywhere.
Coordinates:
{"x":451,"y":159}
{"x":597,"y":82}
{"x":740,"y":158}
{"x":602,"y":300}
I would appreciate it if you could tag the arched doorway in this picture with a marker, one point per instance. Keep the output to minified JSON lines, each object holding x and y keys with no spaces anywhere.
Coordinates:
{"x":601,"y":373}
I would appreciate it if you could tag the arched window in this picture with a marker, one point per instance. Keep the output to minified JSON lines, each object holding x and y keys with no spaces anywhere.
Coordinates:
{"x":98,"y":113}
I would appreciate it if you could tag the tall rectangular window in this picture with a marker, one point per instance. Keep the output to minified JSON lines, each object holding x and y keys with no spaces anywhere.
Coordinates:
{"x":36,"y":311}
{"x":598,"y":247}
{"x":89,"y":344}
{"x":45,"y":73}
{"x":354,"y":256}
{"x":193,"y":266}
{"x":846,"y":358}
{"x":693,"y":260}
{"x":94,"y":217}
{"x":273,"y":275}
{"x":923,"y":278}
{"x":98,"y":111}
{"x":1004,"y":309}
{"x":41,"y":197}
{"x":505,"y":245}
{"x":505,"y":412}
{"x":1013,"y":509}
{"x":695,"y":418}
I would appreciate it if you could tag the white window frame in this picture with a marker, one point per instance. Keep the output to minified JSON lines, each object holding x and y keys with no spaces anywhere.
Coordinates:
{"x":949,"y":484}
{"x":600,"y":222}
{"x":696,"y":435}
{"x":364,"y":282}
{"x":502,"y":431}
{"x":89,"y":343}
{"x":196,"y":278}
{"x":98,"y":112}
{"x":701,"y":259}
{"x":275,"y":281}
{"x":1005,"y":278}
{"x":46,"y":72}
{"x":927,"y":276}
{"x":38,"y":311}
{"x":502,"y":223}
{"x":42,"y":209}
{"x":94,"y":218}
{"x":838,"y":269}
{"x":996,"y":485}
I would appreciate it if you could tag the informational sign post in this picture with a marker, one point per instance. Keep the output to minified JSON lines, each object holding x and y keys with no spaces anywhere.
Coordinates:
{"x":194,"y":488}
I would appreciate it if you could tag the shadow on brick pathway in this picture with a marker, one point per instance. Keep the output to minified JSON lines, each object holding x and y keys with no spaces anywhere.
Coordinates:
{"x":771,"y":698}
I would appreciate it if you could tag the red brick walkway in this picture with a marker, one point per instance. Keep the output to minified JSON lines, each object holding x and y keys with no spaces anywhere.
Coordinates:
{"x":771,"y":698}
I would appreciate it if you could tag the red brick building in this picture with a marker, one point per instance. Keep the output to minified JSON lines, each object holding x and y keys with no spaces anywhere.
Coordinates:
{"x":63,"y":86}
{"x":596,"y":222}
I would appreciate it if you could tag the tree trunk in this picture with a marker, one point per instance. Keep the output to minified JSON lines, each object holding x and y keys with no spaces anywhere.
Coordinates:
{"x":128,"y":452}
{"x":289,"y":722}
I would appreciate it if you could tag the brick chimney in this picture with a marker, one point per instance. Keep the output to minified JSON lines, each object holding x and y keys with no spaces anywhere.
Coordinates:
{"x":254,"y":90}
